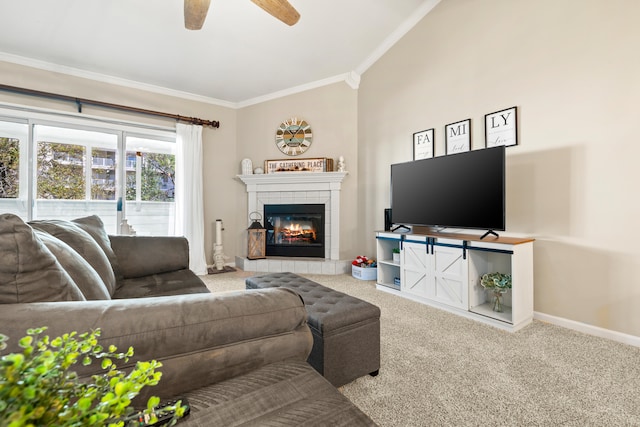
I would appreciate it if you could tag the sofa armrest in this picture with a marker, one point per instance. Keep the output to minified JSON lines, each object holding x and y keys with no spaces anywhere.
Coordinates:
{"x":140,"y":256}
{"x":200,"y":339}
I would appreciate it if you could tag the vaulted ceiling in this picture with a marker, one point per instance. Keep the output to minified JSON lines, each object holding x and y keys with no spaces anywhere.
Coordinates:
{"x":241,"y":55}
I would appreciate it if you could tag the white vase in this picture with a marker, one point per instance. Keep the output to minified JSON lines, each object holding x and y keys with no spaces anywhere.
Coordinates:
{"x":247,"y":167}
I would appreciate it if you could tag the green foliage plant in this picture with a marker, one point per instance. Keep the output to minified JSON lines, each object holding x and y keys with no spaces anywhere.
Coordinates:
{"x":9,"y":167}
{"x":497,"y":282}
{"x":39,"y":388}
{"x":60,"y":172}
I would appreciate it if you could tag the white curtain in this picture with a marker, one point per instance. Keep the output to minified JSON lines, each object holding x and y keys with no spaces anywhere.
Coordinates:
{"x":189,"y":194}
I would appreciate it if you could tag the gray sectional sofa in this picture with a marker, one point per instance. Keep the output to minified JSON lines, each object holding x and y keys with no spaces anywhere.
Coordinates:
{"x":239,"y":357}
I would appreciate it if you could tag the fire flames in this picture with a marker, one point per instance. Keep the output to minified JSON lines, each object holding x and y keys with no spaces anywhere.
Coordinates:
{"x":296,"y":232}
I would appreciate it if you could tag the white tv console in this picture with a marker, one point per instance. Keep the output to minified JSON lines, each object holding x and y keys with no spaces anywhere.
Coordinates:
{"x":444,"y":270}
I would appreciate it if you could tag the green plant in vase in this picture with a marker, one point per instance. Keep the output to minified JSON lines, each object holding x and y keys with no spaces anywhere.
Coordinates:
{"x":39,"y":388}
{"x":498,"y":283}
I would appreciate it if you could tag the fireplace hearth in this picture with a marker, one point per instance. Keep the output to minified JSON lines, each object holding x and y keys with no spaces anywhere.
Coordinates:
{"x":295,"y":230}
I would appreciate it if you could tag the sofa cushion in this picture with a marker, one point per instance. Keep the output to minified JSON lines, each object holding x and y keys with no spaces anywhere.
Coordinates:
{"x":288,"y":393}
{"x":84,"y":244}
{"x":179,"y":282}
{"x":141,"y":256}
{"x":82,"y":273}
{"x":29,"y":272}
{"x":95,"y":227}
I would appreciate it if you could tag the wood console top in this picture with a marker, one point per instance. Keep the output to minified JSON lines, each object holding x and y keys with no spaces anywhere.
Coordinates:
{"x":475,"y":238}
{"x":424,"y":231}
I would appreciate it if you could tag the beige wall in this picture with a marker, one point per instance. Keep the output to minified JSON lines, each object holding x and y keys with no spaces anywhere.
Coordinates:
{"x":218,"y":144}
{"x":244,"y":133}
{"x":332,"y":113}
{"x":571,"y":68}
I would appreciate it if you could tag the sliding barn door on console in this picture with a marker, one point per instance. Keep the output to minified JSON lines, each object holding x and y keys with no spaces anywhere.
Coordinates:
{"x":416,"y":267}
{"x":450,"y":272}
{"x":435,"y":271}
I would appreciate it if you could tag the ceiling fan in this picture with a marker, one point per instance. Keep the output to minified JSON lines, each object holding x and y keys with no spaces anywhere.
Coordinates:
{"x":195,"y":11}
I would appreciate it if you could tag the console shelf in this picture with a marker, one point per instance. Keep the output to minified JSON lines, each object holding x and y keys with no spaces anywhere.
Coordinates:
{"x":444,"y":270}
{"x":388,"y":270}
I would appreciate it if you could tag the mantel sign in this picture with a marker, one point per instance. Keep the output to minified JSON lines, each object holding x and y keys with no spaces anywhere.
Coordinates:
{"x":299,"y":165}
{"x":458,"y":136}
{"x":500,"y":128}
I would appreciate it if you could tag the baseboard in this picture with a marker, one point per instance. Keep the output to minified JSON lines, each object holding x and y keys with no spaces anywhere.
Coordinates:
{"x":228,"y":264}
{"x":589,"y":329}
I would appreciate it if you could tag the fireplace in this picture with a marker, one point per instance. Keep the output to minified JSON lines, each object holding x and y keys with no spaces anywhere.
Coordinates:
{"x":298,"y":188}
{"x":295,"y":230}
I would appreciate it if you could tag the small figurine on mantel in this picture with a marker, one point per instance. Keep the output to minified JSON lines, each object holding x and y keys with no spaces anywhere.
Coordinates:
{"x":341,"y":165}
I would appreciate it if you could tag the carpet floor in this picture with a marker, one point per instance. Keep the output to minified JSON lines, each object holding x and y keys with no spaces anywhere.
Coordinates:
{"x":439,"y":369}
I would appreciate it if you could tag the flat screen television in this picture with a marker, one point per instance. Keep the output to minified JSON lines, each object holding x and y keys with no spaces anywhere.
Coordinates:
{"x":463,"y":190}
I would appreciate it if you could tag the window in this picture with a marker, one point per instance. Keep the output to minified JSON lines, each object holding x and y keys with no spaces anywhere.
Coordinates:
{"x":13,"y":167}
{"x":83,"y":168}
{"x":103,"y":174}
{"x":60,"y":171}
{"x":67,"y":185}
{"x":9,"y":167}
{"x":150,"y":185}
{"x":156,"y":176}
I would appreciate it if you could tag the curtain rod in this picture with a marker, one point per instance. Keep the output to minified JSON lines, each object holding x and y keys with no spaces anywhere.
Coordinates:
{"x":80,"y":101}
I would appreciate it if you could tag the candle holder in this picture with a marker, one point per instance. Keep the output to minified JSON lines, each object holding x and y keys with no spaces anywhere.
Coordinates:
{"x":218,"y":253}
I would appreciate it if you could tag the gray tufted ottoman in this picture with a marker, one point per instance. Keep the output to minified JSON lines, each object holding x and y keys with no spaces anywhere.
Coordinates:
{"x":346,"y":330}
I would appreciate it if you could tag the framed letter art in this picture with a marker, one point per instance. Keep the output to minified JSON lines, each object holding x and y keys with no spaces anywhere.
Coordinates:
{"x":423,"y":143}
{"x":501,"y":128}
{"x":458,"y":136}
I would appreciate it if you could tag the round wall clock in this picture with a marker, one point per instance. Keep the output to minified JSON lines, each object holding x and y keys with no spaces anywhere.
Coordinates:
{"x":293,"y":137}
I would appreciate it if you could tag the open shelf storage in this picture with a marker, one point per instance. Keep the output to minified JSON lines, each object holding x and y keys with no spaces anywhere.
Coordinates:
{"x":388,"y":269}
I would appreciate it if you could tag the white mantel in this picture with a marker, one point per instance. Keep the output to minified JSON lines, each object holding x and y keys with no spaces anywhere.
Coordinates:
{"x":324,"y":179}
{"x":299,"y":188}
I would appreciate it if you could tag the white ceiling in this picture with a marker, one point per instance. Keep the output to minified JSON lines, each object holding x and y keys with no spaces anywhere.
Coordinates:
{"x":242,"y":54}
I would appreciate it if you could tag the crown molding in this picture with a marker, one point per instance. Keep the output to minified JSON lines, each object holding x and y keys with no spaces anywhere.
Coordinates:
{"x":104,"y":78}
{"x":394,"y":37}
{"x":351,"y":78}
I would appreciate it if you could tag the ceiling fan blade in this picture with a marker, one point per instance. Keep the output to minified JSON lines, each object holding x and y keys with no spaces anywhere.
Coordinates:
{"x":195,"y":11}
{"x":280,"y":9}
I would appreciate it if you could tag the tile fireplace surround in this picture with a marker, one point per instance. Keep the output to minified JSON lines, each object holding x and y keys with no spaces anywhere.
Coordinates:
{"x":298,"y":188}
